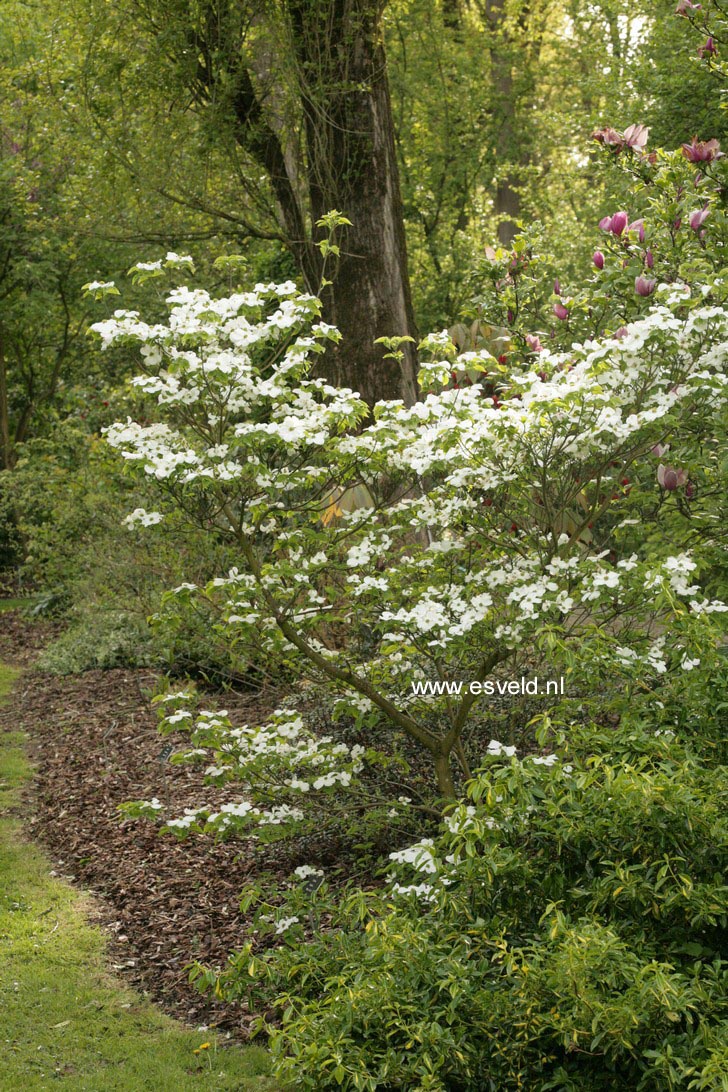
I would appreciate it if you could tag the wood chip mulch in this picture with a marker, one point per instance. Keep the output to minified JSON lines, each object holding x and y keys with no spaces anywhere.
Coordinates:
{"x":165,"y":903}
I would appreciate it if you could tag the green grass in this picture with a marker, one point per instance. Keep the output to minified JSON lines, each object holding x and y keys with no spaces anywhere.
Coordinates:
{"x":12,"y":604}
{"x":66,"y":1022}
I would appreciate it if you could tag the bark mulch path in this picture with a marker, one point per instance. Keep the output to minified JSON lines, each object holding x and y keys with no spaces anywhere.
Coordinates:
{"x":165,"y":903}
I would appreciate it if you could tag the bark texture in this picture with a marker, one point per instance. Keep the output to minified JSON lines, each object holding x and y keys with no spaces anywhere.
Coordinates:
{"x":507,"y":202}
{"x":352,"y":166}
{"x":334,"y":149}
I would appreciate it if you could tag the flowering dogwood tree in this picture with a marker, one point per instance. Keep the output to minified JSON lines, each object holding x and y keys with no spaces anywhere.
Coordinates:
{"x":558,"y":496}
{"x":491,"y":523}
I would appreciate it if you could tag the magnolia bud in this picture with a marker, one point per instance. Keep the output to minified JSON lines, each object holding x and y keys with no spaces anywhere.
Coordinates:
{"x":643,"y":287}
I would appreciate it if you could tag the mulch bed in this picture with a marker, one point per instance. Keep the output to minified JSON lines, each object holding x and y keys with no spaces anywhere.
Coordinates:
{"x":165,"y":903}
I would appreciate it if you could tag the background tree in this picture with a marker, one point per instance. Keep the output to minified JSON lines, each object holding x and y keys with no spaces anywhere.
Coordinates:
{"x":302,"y":89}
{"x":40,"y":320}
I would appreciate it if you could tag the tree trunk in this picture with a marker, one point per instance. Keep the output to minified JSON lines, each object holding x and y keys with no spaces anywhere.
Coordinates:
{"x":352,"y":167}
{"x":349,"y":164}
{"x":507,"y":202}
{"x":443,"y":773}
{"x":6,"y":446}
{"x":307,"y":88}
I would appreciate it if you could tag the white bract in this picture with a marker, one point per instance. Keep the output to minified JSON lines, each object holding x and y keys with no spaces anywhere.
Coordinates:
{"x":428,"y":541}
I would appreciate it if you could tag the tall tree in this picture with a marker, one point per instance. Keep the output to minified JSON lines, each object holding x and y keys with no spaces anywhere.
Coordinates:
{"x":302,"y":86}
{"x":507,"y":201}
{"x":40,"y":265}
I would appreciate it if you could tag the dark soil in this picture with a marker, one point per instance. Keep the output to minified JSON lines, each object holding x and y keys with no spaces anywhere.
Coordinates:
{"x":165,"y":903}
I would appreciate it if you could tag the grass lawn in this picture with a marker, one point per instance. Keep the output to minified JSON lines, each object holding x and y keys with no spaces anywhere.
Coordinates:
{"x":66,"y":1022}
{"x":13,"y":604}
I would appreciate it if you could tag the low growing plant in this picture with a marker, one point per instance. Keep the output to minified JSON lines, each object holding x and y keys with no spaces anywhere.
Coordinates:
{"x":565,"y":930}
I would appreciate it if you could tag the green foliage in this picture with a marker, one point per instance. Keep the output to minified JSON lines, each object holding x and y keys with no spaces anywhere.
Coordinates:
{"x":673,"y":229}
{"x":483,"y":515}
{"x":101,"y":639}
{"x":564,"y":928}
{"x":506,"y":95}
{"x":70,"y":497}
{"x":565,"y":931}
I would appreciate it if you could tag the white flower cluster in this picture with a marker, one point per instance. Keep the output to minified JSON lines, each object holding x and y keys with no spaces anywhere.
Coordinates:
{"x":99,"y":286}
{"x":206,"y":357}
{"x":281,"y":751}
{"x":236,"y":817}
{"x":284,"y":924}
{"x":437,"y":534}
{"x":423,"y":891}
{"x":594,"y":399}
{"x":304,"y":872}
{"x":140,"y":517}
{"x":461,"y":817}
{"x":465,"y":822}
{"x":421,"y":856}
{"x":500,"y":750}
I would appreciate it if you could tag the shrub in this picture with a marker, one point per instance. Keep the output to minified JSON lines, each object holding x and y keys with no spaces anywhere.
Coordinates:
{"x":70,"y":496}
{"x":493,"y":527}
{"x":565,"y":930}
{"x":100,"y":639}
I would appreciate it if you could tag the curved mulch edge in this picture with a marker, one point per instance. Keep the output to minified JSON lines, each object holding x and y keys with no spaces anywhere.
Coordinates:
{"x":94,"y":743}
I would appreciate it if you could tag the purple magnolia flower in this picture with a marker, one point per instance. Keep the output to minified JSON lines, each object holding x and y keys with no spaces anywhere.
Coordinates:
{"x":698,"y":218}
{"x":660,"y":449}
{"x":534,"y":343}
{"x":634,"y":136}
{"x":560,"y":311}
{"x":644,"y":287}
{"x":684,"y":6}
{"x":702,"y":151}
{"x":708,"y":49}
{"x":619,"y":223}
{"x":669,"y":478}
{"x":676,"y":224}
{"x":614,"y":224}
{"x":620,"y":333}
{"x":598,"y":259}
{"x":557,"y":287}
{"x":639,"y":227}
{"x":649,"y":259}
{"x":609,"y":136}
